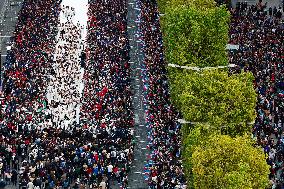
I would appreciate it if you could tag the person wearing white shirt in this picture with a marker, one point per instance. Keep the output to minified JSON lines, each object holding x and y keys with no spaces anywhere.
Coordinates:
{"x":30,"y":185}
{"x":109,"y":169}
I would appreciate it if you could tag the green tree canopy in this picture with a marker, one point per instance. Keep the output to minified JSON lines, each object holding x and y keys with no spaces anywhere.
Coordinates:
{"x":200,"y":4}
{"x":214,"y":97}
{"x":229,"y":163}
{"x":193,"y":136}
{"x":194,"y":36}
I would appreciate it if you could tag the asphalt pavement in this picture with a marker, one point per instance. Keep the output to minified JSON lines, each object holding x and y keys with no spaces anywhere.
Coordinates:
{"x":9,"y":10}
{"x":136,"y":175}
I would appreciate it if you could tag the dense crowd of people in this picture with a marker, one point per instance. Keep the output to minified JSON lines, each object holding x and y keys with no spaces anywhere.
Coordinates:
{"x":164,"y":167}
{"x":107,"y":106}
{"x":259,"y":32}
{"x":53,"y":135}
{"x":42,"y":142}
{"x":65,"y":85}
{"x":25,"y":69}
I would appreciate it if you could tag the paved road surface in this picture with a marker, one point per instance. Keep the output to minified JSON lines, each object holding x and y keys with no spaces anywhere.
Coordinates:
{"x":8,"y":17}
{"x":136,"y":176}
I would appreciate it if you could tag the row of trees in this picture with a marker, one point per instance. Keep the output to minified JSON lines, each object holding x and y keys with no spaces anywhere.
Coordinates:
{"x":218,"y":150}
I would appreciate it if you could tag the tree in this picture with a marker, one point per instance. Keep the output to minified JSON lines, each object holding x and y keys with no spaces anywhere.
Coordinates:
{"x":229,"y":163}
{"x":212,"y":96}
{"x":193,"y":135}
{"x":237,"y":162}
{"x":195,"y":33}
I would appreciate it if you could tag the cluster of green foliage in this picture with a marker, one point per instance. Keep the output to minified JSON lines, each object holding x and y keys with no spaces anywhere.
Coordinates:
{"x":213,"y":160}
{"x":214,"y":97}
{"x":162,"y":5}
{"x":195,"y":36}
{"x":225,"y":162}
{"x":200,"y":4}
{"x":217,"y":151}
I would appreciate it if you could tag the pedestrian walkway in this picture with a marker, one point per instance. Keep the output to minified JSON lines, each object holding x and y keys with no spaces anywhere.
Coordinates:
{"x":136,"y":175}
